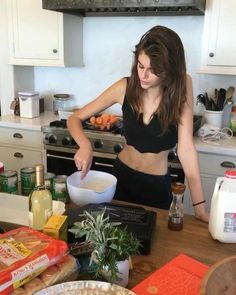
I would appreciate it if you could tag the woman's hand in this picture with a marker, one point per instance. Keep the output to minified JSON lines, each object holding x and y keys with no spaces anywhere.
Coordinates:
{"x":201,"y":213}
{"x":83,"y":159}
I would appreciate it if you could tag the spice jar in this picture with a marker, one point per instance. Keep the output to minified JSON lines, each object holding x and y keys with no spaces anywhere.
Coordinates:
{"x":176,"y":211}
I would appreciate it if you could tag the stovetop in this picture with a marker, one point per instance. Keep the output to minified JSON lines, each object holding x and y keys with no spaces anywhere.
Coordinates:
{"x":111,"y":141}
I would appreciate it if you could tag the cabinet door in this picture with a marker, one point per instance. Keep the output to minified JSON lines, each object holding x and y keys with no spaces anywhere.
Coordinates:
{"x":35,"y":31}
{"x":222,"y":45}
{"x":15,"y":158}
{"x":219,"y":39}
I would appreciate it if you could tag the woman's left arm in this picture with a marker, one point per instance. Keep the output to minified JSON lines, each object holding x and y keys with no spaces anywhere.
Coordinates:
{"x":188,"y":156}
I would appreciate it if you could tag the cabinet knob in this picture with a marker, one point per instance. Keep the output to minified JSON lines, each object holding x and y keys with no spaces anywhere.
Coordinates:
{"x":17,"y":135}
{"x":227,"y":164}
{"x":18,"y":155}
{"x":211,"y":54}
{"x":54,"y":51}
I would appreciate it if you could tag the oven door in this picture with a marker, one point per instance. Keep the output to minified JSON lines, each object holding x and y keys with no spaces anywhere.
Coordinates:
{"x":61,"y":161}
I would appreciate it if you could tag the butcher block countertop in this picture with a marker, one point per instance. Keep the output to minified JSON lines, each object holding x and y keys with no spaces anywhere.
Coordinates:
{"x":194,"y":240}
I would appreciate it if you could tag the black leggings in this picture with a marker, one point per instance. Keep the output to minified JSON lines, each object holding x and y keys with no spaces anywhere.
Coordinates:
{"x":142,"y":188}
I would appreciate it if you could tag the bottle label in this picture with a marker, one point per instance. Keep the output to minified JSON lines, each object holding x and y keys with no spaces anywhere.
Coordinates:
{"x":176,"y":219}
{"x":230,"y":222}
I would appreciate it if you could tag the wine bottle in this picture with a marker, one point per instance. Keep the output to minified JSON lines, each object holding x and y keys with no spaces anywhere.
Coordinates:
{"x":40,"y":201}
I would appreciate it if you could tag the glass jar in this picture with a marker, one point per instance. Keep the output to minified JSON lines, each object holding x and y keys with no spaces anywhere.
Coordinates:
{"x":60,"y":102}
{"x":176,"y":211}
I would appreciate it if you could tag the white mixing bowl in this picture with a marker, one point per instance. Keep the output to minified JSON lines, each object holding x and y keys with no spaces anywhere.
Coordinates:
{"x":97,"y":187}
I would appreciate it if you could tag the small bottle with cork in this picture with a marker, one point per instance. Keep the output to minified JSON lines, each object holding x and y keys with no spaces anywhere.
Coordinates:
{"x":176,"y":211}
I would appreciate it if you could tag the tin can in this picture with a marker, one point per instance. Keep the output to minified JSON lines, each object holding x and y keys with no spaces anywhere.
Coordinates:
{"x":9,"y":182}
{"x":48,"y":177}
{"x":27,"y":176}
{"x":59,"y":189}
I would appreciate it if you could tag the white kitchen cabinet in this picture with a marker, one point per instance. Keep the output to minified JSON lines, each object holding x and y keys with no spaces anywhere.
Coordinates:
{"x":21,"y":148}
{"x":219,"y":38}
{"x":211,"y":167}
{"x":40,"y":37}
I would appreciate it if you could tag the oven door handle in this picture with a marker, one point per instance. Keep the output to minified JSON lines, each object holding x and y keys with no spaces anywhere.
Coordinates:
{"x":103,"y":164}
{"x":59,"y":157}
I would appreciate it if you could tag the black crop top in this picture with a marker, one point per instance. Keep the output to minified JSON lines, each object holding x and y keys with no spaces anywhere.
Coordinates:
{"x":146,"y":138}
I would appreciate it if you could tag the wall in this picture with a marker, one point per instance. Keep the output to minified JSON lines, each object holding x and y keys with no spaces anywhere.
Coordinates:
{"x":6,"y":71}
{"x":108,"y":45}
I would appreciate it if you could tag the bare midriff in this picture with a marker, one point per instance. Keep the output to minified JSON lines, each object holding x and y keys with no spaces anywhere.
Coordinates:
{"x":151,"y":163}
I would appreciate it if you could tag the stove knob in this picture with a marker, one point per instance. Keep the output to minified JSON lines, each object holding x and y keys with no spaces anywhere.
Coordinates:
{"x":67,"y":140}
{"x":98,"y":144}
{"x":52,"y":139}
{"x":117,"y":148}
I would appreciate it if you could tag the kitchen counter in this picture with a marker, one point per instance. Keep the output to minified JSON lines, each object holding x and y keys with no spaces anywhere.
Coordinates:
{"x":17,"y":122}
{"x":222,"y":147}
{"x":194,"y":240}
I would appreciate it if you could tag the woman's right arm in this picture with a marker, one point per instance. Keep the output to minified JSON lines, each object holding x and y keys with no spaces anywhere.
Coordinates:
{"x":83,"y":157}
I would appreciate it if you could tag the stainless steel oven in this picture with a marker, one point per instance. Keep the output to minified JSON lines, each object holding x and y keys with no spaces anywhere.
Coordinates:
{"x":61,"y":161}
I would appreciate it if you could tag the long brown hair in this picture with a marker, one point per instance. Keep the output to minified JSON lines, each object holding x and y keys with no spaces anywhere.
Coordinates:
{"x":166,"y":52}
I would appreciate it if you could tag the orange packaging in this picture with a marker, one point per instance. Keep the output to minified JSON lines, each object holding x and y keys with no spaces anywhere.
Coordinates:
{"x":24,"y":254}
{"x":182,"y":275}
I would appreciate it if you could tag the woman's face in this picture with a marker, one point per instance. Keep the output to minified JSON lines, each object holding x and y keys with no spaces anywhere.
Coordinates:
{"x":145,"y":73}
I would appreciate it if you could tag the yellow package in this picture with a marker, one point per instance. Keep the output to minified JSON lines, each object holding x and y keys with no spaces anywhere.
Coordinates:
{"x":56,"y":227}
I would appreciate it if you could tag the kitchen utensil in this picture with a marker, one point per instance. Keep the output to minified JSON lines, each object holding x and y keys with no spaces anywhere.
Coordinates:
{"x":221,"y":99}
{"x":96,"y":187}
{"x":229,"y":94}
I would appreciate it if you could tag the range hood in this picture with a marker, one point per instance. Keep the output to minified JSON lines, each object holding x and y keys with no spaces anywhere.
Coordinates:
{"x":127,"y":7}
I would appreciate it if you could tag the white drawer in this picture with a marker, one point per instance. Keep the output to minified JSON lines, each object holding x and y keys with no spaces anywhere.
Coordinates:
{"x":19,"y":137}
{"x":215,"y":164}
{"x":17,"y":158}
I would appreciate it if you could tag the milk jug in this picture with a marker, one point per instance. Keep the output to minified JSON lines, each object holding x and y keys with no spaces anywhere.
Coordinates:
{"x":222,"y":222}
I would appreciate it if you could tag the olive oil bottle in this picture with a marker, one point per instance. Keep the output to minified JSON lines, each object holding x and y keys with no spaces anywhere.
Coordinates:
{"x":40,"y":201}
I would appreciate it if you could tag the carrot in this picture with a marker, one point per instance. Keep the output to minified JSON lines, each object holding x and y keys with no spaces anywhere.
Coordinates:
{"x":92,"y":120}
{"x":114,"y":119}
{"x":99,"y":120}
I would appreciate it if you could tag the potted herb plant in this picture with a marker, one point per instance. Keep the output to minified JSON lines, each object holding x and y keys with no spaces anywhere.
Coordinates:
{"x":111,"y":243}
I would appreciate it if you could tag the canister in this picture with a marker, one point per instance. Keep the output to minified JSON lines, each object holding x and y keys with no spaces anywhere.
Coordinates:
{"x":60,"y":102}
{"x":59,"y":190}
{"x":27,"y":176}
{"x":9,"y":182}
{"x":29,"y":104}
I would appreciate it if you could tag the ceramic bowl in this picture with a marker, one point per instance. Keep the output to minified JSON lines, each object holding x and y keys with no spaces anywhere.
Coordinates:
{"x":97,"y":187}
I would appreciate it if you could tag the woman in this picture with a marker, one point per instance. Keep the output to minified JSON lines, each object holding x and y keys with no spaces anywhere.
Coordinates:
{"x":157,"y":113}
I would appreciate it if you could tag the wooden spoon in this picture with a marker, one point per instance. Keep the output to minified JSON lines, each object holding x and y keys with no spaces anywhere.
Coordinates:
{"x":229,"y":94}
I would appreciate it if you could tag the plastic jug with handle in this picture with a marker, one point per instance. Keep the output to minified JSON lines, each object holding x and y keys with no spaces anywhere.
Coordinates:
{"x":222,"y":222}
